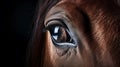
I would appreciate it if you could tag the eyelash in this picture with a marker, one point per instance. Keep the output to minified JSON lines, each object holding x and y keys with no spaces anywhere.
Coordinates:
{"x":60,"y":34}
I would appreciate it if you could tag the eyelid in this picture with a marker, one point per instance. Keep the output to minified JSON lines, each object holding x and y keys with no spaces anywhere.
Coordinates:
{"x":59,"y":15}
{"x":59,"y":22}
{"x":54,"y":21}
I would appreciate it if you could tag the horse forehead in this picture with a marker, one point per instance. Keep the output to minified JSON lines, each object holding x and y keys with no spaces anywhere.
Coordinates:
{"x":101,"y":7}
{"x":101,"y":12}
{"x":115,"y":3}
{"x":103,"y":15}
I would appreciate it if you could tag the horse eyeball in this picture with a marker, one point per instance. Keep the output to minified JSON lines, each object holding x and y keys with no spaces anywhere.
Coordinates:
{"x":60,"y":35}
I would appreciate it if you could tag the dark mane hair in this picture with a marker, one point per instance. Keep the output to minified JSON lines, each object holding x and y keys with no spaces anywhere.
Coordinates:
{"x":35,"y":50}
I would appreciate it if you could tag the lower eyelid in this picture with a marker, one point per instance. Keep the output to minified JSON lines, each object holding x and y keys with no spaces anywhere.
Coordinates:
{"x":67,"y":44}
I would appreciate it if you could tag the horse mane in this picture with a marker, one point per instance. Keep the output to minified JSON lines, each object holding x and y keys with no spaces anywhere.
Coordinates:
{"x":36,"y":47}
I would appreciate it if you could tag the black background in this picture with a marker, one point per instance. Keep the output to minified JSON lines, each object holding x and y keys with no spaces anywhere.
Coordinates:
{"x":16,"y":25}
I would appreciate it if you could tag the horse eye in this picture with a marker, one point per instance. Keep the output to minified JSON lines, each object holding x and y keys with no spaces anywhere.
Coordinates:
{"x":60,"y":35}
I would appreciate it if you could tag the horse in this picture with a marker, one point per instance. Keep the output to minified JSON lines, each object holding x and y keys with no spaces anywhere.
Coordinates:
{"x":75,"y":33}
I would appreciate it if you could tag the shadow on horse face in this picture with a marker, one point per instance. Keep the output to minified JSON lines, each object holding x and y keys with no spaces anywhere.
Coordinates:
{"x":80,"y":33}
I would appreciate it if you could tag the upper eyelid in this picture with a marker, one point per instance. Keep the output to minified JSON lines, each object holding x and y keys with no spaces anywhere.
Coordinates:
{"x":56,"y":16}
{"x":58,"y":21}
{"x":64,"y":21}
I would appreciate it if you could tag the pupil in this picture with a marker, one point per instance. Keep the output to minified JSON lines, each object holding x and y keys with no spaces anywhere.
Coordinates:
{"x":59,"y":34}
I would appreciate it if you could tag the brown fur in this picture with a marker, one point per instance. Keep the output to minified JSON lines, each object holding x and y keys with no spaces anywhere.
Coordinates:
{"x":98,"y":23}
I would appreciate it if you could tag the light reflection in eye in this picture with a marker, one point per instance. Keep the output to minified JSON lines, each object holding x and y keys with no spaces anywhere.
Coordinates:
{"x":56,"y":32}
{"x":56,"y":29}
